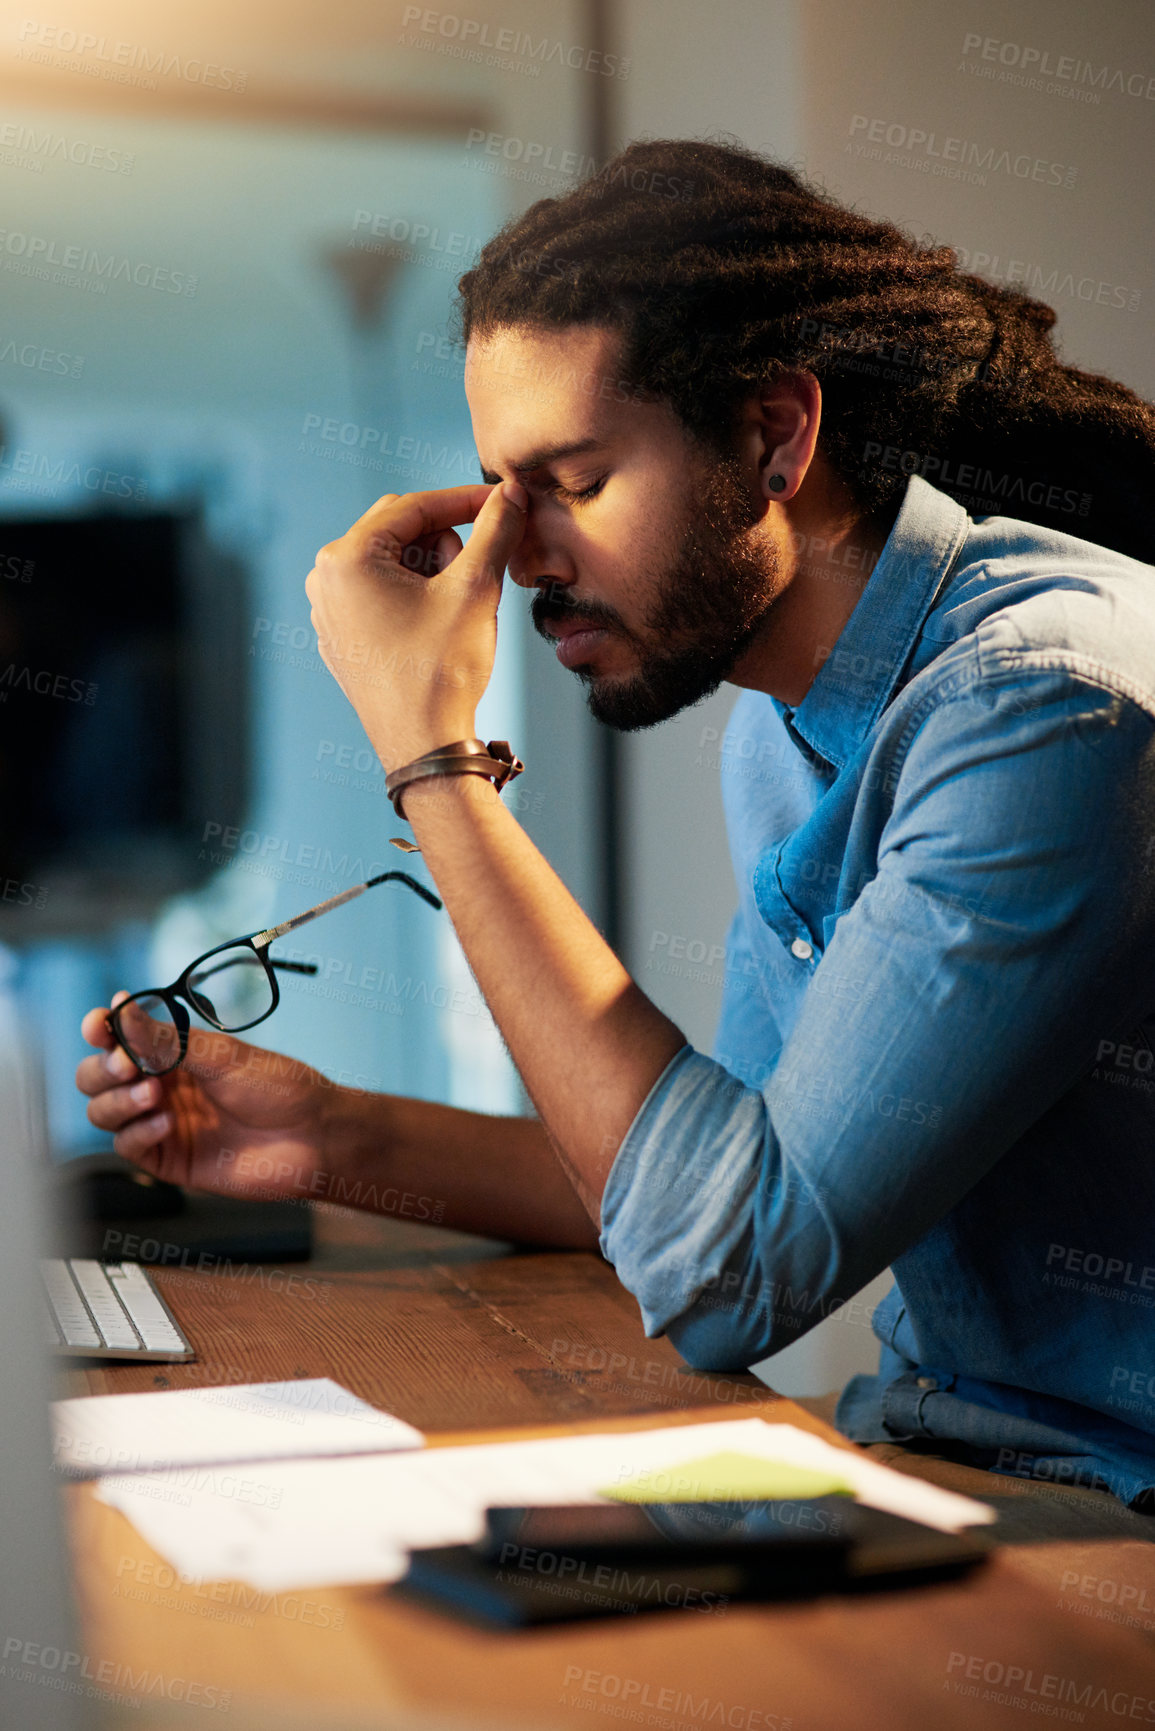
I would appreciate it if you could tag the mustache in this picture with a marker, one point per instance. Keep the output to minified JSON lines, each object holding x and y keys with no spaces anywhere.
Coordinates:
{"x":554,"y":604}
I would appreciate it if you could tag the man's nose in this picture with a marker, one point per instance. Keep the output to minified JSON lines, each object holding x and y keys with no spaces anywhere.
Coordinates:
{"x":547,"y":580}
{"x":534,"y":565}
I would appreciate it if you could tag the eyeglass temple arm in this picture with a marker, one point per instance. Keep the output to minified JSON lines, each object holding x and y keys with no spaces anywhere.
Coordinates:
{"x":404,"y":878}
{"x":261,"y":940}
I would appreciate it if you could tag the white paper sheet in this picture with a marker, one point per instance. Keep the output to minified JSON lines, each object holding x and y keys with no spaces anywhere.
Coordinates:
{"x":327,"y":1523}
{"x":193,"y":1427}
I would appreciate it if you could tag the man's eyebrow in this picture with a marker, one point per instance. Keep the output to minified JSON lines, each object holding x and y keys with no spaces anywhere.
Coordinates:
{"x":547,"y":454}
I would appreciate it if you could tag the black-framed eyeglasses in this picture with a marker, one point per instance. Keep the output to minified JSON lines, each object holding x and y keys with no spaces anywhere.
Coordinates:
{"x":231,"y":987}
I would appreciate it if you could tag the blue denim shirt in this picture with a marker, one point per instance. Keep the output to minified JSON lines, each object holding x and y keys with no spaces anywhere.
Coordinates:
{"x":936,"y":1042}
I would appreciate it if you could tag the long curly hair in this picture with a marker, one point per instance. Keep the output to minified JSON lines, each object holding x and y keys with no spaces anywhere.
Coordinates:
{"x":719,"y":269}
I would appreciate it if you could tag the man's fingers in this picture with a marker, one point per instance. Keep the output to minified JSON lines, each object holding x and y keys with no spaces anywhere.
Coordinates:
{"x":412,"y":515}
{"x":499,"y":527}
{"x":98,"y":1074}
{"x":425,"y":521}
{"x":96,"y":1030}
{"x":448,"y":546}
{"x":116,"y":1108}
{"x":137,"y":1139}
{"x":111,"y":1065}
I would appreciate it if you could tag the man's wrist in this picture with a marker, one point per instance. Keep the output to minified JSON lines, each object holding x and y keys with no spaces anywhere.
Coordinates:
{"x":424,"y":739}
{"x":352,"y":1139}
{"x":454,"y":793}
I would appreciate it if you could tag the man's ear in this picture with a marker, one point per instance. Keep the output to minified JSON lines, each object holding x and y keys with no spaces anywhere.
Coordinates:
{"x":778,"y":433}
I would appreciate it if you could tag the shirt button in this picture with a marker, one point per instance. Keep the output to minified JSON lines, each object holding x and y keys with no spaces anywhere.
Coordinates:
{"x":927,"y":1382}
{"x":802,"y":949}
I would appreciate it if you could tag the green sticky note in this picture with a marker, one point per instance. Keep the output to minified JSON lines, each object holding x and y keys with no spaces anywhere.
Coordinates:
{"x":727,"y":1477}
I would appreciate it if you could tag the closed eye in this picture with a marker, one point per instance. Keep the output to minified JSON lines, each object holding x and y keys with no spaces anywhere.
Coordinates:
{"x":578,"y":498}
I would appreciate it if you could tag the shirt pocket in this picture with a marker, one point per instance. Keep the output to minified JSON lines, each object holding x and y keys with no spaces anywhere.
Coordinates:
{"x":795,"y":918}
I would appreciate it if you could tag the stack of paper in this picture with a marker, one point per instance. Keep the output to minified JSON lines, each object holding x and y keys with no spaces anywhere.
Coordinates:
{"x":310,"y":1523}
{"x":258,"y":1421}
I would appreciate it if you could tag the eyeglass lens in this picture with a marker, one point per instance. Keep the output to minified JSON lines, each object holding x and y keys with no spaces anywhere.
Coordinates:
{"x":148,"y":1031}
{"x":232,"y":988}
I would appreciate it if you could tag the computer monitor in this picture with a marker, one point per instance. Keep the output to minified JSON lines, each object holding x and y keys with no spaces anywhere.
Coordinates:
{"x":123,"y":712}
{"x":45,"y":1684}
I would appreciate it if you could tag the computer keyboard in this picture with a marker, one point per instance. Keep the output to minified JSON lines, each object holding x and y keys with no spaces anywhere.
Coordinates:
{"x":108,"y":1310}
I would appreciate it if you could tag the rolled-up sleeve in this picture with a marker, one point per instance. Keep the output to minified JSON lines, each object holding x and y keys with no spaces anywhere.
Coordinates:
{"x":1009,"y":923}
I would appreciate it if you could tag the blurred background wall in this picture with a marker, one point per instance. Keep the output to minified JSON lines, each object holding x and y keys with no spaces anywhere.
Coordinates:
{"x":229,"y":243}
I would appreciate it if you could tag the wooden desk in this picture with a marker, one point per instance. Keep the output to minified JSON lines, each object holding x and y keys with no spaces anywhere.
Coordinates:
{"x":458,"y":1338}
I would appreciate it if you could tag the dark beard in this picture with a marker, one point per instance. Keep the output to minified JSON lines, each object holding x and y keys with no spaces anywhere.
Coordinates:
{"x":710,"y":604}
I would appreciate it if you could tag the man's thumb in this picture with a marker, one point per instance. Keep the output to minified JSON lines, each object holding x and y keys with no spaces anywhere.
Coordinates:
{"x":497,"y":529}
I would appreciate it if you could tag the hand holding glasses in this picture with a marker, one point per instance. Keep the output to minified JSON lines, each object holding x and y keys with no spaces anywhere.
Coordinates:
{"x":231,"y":987}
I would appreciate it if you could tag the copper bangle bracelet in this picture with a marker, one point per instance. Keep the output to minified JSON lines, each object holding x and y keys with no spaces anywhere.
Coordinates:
{"x":464,"y":757}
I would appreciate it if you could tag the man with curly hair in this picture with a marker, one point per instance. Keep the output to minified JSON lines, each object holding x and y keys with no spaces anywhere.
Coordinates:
{"x":695,"y":416}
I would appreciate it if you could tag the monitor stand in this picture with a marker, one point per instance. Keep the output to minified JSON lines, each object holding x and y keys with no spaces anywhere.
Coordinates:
{"x":110,"y":1209}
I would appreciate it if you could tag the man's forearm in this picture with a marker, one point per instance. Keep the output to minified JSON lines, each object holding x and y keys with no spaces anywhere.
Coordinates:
{"x":413,"y":1158}
{"x":588,"y":1043}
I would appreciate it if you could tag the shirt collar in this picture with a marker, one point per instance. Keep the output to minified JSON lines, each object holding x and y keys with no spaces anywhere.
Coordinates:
{"x":858,"y":677}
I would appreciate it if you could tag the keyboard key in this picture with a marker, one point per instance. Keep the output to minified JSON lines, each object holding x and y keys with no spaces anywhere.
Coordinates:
{"x":148,"y":1314}
{"x":48,"y":1322}
{"x":107,"y":1311}
{"x":72,"y":1318}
